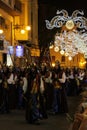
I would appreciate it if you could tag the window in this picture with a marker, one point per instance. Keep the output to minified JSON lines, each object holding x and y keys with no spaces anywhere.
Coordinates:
{"x":1,"y":45}
{"x":63,"y":59}
{"x":10,"y":2}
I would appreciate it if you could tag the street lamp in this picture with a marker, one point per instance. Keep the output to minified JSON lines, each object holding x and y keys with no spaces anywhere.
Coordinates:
{"x":22,"y":28}
{"x":1,"y":31}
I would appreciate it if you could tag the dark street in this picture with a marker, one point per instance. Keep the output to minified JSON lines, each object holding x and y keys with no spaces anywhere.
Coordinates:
{"x":16,"y":119}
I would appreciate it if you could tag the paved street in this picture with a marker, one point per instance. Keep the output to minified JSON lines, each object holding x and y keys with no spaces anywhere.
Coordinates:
{"x":16,"y":119}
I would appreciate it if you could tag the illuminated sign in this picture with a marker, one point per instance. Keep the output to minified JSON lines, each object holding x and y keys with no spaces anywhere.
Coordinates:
{"x":10,"y":50}
{"x":19,"y":51}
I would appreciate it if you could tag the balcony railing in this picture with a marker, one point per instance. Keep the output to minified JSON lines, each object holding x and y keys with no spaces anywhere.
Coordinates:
{"x":17,"y":5}
{"x":12,"y":7}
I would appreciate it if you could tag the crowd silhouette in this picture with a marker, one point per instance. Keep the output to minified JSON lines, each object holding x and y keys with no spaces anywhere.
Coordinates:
{"x":39,"y":90}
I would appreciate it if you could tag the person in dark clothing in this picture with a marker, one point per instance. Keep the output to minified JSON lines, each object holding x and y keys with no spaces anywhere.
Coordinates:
{"x":42,"y":96}
{"x":20,"y":93}
{"x":5,"y":95}
{"x":62,"y":80}
{"x":1,"y":78}
{"x":31,"y":110}
{"x":56,"y":105}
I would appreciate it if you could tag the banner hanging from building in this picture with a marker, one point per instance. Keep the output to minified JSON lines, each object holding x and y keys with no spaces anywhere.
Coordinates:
{"x":19,"y":51}
{"x":10,"y":50}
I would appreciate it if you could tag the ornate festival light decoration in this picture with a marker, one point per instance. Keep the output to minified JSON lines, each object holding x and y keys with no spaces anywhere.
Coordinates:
{"x":69,"y":21}
{"x":73,"y":37}
{"x":71,"y":43}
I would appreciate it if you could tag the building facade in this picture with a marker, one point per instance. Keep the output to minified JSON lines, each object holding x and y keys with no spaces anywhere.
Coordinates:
{"x":19,"y":22}
{"x":76,"y":61}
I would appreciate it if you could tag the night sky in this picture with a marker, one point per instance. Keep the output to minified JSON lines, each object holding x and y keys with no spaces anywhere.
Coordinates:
{"x":47,"y":10}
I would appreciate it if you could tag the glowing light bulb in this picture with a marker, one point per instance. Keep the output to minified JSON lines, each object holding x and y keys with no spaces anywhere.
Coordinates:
{"x":51,"y":46}
{"x":70,"y":58}
{"x":56,"y":49}
{"x":28,"y":28}
{"x":62,"y":52}
{"x":22,"y":31}
{"x":66,"y":54}
{"x":1,"y":31}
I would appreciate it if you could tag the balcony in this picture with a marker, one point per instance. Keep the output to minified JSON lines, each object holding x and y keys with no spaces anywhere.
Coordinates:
{"x":13,"y":8}
{"x":17,"y":6}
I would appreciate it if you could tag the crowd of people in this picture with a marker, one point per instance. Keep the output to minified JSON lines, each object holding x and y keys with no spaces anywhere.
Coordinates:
{"x":80,"y":117}
{"x":39,"y":90}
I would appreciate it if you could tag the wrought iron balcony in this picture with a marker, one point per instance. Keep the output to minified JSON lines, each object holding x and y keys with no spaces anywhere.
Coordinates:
{"x":13,"y":8}
{"x":17,"y":6}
